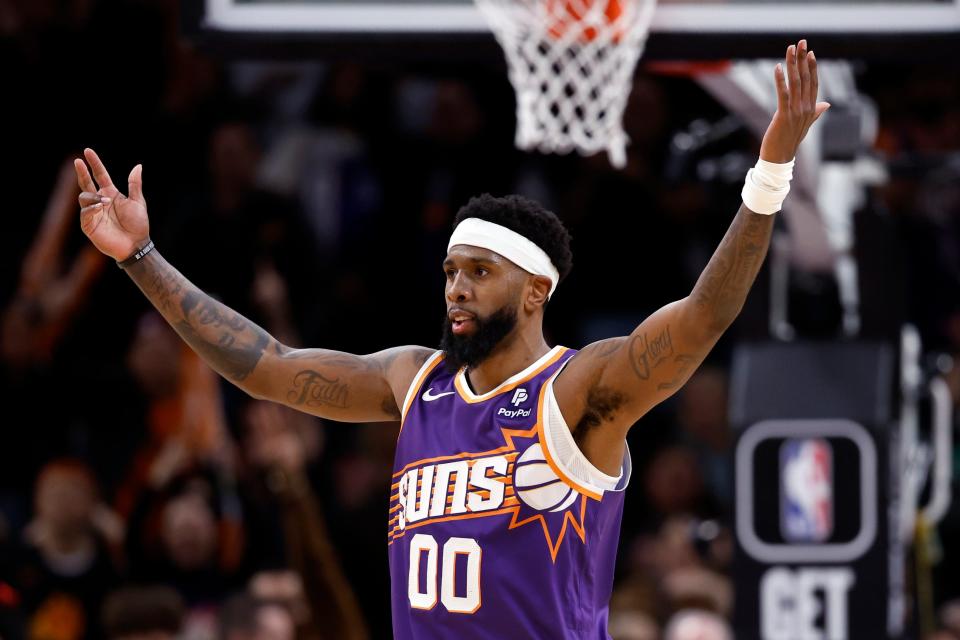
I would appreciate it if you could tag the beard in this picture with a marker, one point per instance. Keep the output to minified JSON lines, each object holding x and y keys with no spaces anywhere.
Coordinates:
{"x":471,"y":350}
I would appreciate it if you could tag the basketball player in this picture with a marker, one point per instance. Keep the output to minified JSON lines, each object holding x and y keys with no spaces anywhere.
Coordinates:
{"x":511,"y":461}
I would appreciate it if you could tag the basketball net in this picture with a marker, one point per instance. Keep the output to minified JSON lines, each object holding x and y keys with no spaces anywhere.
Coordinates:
{"x":571,"y":63}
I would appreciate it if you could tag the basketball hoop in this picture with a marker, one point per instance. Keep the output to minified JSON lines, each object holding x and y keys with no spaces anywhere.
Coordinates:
{"x":571,"y":63}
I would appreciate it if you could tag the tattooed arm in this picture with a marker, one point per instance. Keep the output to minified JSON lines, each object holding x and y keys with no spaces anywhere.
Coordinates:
{"x":609,"y":385}
{"x":329,"y":384}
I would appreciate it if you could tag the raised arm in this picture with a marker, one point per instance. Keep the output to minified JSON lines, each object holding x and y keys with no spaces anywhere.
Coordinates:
{"x":612,"y":383}
{"x":329,"y":384}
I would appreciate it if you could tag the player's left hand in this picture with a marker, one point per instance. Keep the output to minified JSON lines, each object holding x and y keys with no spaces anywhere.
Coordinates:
{"x":797,"y":106}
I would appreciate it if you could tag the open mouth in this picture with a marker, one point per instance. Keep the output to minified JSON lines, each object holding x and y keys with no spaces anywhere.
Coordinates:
{"x":461,"y":321}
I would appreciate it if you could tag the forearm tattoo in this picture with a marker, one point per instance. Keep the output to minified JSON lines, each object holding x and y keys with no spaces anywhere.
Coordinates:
{"x":722,"y":288}
{"x":227,"y":341}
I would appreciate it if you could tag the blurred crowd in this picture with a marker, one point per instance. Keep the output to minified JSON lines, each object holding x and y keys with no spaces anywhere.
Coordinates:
{"x":143,"y":497}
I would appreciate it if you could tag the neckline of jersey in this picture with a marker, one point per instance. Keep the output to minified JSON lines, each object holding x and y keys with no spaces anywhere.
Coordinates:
{"x":511,"y":383}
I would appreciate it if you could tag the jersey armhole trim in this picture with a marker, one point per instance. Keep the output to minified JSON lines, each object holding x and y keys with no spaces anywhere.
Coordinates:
{"x":417,"y":382}
{"x":556,"y":436}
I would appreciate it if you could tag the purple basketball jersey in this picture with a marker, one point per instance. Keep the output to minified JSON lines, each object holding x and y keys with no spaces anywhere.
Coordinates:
{"x":498,"y":527}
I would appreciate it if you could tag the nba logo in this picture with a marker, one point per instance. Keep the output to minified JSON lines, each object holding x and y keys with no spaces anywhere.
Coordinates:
{"x":806,"y":490}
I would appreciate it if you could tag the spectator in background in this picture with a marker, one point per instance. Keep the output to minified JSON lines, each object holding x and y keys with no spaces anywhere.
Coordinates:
{"x":674,"y":483}
{"x":263,"y":230}
{"x":632,"y":625}
{"x":297,"y":560}
{"x":190,"y":535}
{"x":51,"y":290}
{"x":245,"y":617}
{"x":948,"y":616}
{"x":321,"y":159}
{"x":284,"y":586}
{"x":693,"y":624}
{"x":270,"y":296}
{"x":186,"y":425}
{"x":66,"y":565}
{"x":702,"y":416}
{"x":143,"y":613}
{"x":49,"y":293}
{"x":684,"y":565}
{"x":361,"y":479}
{"x":276,"y":449}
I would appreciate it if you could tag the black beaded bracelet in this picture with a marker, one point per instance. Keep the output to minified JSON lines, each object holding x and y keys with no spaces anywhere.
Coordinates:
{"x":137,"y":256}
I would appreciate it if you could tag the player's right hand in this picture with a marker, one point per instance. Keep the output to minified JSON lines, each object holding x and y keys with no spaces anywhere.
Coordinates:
{"x":797,"y":107}
{"x":116,"y":224}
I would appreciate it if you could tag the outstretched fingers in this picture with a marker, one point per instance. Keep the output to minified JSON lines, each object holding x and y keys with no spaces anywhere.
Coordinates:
{"x":814,"y":78}
{"x":83,"y":176}
{"x":793,"y":77}
{"x":818,"y":107}
{"x":807,"y":100}
{"x":819,"y":110}
{"x":783,"y":97}
{"x":99,"y":171}
{"x":135,"y":184}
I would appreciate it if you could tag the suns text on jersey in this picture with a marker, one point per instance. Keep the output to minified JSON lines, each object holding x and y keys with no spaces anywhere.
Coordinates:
{"x":453,"y":488}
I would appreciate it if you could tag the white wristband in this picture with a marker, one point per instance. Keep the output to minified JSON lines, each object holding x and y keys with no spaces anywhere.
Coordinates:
{"x":767,"y":186}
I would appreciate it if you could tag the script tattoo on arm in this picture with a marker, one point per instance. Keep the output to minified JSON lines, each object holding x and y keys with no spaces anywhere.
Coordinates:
{"x":334,"y":381}
{"x":228,"y":342}
{"x":315,"y":389}
{"x":723,"y":286}
{"x":647,"y":354}
{"x":311,"y":387}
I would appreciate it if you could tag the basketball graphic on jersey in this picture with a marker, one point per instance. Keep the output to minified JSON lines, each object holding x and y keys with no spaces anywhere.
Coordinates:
{"x":537,"y":485}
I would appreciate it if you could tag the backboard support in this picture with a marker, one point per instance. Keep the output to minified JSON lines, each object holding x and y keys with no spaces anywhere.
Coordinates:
{"x":681,"y":29}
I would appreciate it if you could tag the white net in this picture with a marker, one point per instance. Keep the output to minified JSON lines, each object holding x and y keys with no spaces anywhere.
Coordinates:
{"x":571,"y":63}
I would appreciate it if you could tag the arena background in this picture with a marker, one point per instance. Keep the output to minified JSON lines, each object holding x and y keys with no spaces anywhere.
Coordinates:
{"x":309,"y":180}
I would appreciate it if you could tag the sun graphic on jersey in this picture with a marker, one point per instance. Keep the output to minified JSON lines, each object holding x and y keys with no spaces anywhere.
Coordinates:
{"x":543,"y":496}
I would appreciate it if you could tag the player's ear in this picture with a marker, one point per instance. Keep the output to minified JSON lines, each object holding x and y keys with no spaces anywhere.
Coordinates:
{"x":538,"y":290}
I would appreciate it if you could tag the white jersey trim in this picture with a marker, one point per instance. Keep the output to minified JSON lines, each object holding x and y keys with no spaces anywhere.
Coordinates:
{"x":416,"y":383}
{"x":471,"y":396}
{"x":566,"y":454}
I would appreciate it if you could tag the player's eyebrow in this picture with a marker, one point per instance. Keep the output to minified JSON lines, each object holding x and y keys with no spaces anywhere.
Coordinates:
{"x":449,"y":262}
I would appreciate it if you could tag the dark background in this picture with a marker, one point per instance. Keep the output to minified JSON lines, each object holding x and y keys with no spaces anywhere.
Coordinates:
{"x":316,"y":197}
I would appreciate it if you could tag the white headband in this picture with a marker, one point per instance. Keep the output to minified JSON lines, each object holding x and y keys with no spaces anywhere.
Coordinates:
{"x":508,"y":243}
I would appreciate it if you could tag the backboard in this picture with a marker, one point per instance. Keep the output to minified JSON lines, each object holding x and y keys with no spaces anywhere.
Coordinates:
{"x":682,"y":29}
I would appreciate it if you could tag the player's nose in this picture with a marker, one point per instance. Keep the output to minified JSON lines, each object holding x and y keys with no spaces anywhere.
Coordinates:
{"x":458,"y":289}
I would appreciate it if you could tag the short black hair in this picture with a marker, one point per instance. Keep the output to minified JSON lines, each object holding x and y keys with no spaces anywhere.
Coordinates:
{"x":528,"y":218}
